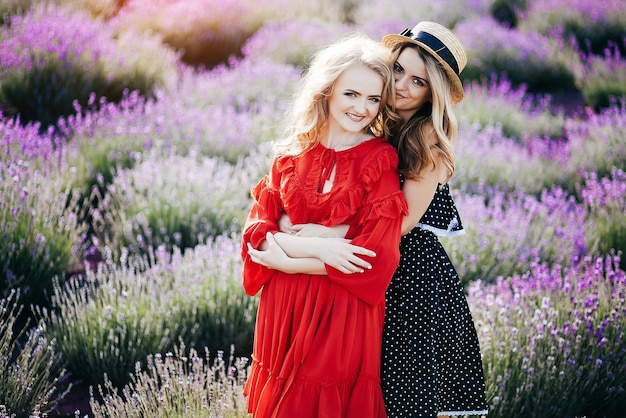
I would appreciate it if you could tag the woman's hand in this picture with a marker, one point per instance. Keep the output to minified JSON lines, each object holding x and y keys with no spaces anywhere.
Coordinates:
{"x":285,"y":225}
{"x":321,"y":231}
{"x":310,"y":230}
{"x":341,"y":255}
{"x":272,"y":257}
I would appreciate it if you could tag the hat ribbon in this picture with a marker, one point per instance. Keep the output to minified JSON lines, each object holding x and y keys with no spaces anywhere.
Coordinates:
{"x":436,"y":45}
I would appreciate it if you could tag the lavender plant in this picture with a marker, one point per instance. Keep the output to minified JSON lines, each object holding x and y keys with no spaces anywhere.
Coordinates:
{"x":172,"y":201}
{"x":9,"y":8}
{"x":448,"y":13}
{"x":553,"y":340}
{"x":508,"y":232}
{"x":104,"y":138}
{"x":507,"y":11}
{"x":31,"y":374}
{"x":52,"y":57}
{"x":99,"y":9}
{"x":521,"y":115}
{"x":179,"y":384}
{"x":604,"y":79}
{"x":593,"y":28}
{"x":207,"y":34}
{"x":40,"y":214}
{"x":331,"y":11}
{"x":605,"y":200}
{"x":209,"y":113}
{"x":541,"y":63}
{"x":488,"y":160}
{"x":118,"y":315}
{"x":268,"y":83}
{"x":595,"y":144}
{"x":292,"y":42}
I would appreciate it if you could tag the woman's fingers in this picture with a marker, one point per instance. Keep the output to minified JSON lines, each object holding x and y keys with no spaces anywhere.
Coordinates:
{"x":363,"y":251}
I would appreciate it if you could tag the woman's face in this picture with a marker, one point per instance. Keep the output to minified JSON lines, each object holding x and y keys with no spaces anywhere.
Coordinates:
{"x":412,"y":84}
{"x":355,"y":99}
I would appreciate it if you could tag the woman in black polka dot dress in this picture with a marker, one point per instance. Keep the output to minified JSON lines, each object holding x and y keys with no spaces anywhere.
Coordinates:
{"x":431,"y":363}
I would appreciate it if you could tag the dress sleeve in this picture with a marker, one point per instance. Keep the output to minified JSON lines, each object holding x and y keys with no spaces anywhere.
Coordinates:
{"x":263,"y":217}
{"x":378,"y":229}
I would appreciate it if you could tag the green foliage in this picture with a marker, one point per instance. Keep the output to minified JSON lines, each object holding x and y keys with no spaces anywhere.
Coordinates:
{"x":31,"y":372}
{"x":108,"y":324}
{"x":178,"y":385}
{"x":118,"y":315}
{"x":594,"y":37}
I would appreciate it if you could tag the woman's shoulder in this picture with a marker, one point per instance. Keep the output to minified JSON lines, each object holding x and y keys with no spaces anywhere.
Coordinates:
{"x":378,"y":157}
{"x":375,"y":148}
{"x":377,"y":145}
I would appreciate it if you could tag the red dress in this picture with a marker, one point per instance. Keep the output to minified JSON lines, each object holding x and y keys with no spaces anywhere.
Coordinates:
{"x":317,"y":343}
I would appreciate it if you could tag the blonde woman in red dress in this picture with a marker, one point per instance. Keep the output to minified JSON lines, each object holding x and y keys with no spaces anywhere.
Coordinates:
{"x":317,"y":347}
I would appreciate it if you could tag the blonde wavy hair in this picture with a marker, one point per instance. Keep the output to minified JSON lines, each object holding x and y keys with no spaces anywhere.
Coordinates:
{"x":409,"y":138}
{"x":308,"y":114}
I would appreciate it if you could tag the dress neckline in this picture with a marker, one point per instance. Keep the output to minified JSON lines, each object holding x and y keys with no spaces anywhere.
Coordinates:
{"x":352,"y":148}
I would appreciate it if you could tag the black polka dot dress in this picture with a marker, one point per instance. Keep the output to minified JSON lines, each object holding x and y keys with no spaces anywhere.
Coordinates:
{"x":431,"y":362}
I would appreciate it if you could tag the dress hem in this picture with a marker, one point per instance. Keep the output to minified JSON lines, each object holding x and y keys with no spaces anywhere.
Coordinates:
{"x":462,"y":413}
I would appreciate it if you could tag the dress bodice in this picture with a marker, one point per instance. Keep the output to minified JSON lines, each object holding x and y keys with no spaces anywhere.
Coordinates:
{"x":442,"y":217}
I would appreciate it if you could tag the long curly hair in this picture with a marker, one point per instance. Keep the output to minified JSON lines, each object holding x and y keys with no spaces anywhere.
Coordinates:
{"x":308,"y":114}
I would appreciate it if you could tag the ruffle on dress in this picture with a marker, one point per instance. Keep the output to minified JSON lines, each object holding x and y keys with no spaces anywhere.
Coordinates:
{"x":443,"y":219}
{"x":356,"y":397}
{"x":343,"y":207}
{"x":267,"y":197}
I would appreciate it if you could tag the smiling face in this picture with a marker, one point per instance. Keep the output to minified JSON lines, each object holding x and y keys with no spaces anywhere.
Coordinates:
{"x":355,"y":99}
{"x":412,"y":83}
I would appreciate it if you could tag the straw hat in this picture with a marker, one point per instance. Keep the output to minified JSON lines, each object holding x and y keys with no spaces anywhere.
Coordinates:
{"x":441,"y":43}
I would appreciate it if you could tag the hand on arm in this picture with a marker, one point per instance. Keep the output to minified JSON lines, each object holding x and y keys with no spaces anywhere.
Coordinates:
{"x":336,"y":252}
{"x":272,"y":256}
{"x":311,"y":230}
{"x":309,"y":254}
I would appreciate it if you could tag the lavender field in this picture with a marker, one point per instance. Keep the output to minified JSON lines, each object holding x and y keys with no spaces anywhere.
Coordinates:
{"x":133,"y":130}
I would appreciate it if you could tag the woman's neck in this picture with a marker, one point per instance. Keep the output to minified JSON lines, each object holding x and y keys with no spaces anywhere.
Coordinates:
{"x":344,"y":140}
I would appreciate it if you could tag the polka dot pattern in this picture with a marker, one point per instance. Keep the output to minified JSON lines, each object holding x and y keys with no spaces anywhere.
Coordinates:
{"x":431,"y":363}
